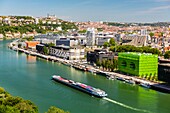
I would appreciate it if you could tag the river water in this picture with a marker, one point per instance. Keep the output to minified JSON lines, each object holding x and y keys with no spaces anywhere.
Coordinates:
{"x":29,"y":77}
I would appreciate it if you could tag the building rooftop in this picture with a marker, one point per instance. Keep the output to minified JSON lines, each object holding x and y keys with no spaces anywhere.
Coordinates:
{"x":136,"y":54}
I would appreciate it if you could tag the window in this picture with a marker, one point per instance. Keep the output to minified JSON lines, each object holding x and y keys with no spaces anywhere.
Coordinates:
{"x":124,"y":64}
{"x":132,"y":65}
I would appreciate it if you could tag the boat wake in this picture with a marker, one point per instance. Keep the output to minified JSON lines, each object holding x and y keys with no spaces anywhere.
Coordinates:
{"x":126,"y":106}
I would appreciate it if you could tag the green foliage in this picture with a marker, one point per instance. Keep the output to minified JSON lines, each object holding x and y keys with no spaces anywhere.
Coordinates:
{"x":99,"y":29}
{"x":28,"y":38}
{"x":22,"y":29}
{"x":82,"y":31}
{"x":130,"y":48}
{"x":68,"y":25}
{"x":8,"y":109}
{"x":107,"y":64}
{"x":10,"y":104}
{"x":23,"y":17}
{"x":45,"y":50}
{"x":51,"y":44}
{"x":98,"y":63}
{"x":106,"y":44}
{"x":53,"y":109}
{"x":115,"y":24}
{"x":112,"y":42}
{"x":167,"y":55}
{"x":151,"y":34}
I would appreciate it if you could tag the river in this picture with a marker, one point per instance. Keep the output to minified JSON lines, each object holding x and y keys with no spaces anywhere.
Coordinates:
{"x":30,"y":78}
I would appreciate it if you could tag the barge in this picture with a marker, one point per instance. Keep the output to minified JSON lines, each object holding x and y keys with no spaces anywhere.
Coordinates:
{"x":80,"y":86}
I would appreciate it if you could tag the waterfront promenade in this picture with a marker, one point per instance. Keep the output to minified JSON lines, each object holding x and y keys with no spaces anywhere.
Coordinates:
{"x":85,"y":67}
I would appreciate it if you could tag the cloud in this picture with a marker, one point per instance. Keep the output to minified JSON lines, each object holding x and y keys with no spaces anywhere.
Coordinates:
{"x":156,"y":9}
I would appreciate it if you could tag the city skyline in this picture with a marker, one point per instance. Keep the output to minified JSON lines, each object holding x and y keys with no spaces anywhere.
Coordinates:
{"x":91,"y":10}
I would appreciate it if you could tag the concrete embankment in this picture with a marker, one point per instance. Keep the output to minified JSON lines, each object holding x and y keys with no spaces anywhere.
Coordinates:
{"x":154,"y":85}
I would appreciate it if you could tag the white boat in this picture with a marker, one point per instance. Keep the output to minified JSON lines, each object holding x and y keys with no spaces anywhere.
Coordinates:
{"x":145,"y":85}
{"x":130,"y":81}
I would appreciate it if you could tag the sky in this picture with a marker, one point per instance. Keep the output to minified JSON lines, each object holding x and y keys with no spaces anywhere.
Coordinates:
{"x":91,"y":10}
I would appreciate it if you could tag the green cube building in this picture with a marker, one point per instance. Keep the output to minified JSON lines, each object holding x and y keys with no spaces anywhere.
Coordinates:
{"x":138,"y":64}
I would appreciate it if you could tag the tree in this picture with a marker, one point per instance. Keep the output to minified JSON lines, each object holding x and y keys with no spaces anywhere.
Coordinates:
{"x":130,"y":48}
{"x":51,"y":44}
{"x":103,"y":64}
{"x":10,"y":104}
{"x":151,"y":34}
{"x":112,"y":42}
{"x":106,"y":44}
{"x":53,"y":109}
{"x":82,"y":31}
{"x":98,"y":63}
{"x":99,"y":29}
{"x":45,"y":50}
{"x":167,"y":55}
{"x":115,"y":62}
{"x":107,"y":62}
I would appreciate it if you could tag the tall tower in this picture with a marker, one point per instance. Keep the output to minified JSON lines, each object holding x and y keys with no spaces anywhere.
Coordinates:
{"x":90,"y":35}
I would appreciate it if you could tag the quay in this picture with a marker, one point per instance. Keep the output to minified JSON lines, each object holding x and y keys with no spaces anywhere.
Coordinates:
{"x":84,"y":67}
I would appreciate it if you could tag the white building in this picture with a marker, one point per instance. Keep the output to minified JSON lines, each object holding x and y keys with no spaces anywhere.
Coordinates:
{"x":81,"y":39}
{"x":90,"y":37}
{"x":6,"y":21}
{"x":46,"y":38}
{"x":66,"y":52}
{"x":144,"y":32}
{"x":36,"y":20}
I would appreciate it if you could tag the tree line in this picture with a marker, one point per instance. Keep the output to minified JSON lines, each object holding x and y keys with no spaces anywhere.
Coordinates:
{"x":36,"y":27}
{"x":131,"y":48}
{"x":167,"y":55}
{"x":107,"y":64}
{"x":21,"y":28}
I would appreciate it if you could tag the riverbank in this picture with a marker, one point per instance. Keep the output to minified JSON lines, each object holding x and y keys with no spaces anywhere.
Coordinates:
{"x":83,"y":66}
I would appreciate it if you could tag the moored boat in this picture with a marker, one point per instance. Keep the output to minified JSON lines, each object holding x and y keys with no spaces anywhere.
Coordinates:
{"x":121,"y":79}
{"x":145,"y":85}
{"x":80,"y":86}
{"x":130,"y":81}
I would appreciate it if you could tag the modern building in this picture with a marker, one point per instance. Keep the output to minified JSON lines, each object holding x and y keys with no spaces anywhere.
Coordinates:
{"x":99,"y":54}
{"x":138,"y":63}
{"x":40,"y":48}
{"x":164,"y":70}
{"x":47,"y":38}
{"x":67,"y":42}
{"x":118,"y":37}
{"x":90,"y":37}
{"x":66,"y":52}
{"x":134,"y":40}
{"x":100,"y":40}
{"x":81,"y":39}
{"x":31,"y":44}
